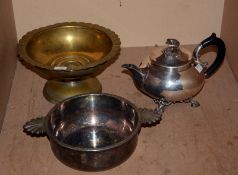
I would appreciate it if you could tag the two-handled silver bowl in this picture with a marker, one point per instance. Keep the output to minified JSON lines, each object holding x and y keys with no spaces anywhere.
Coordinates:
{"x":91,"y":132}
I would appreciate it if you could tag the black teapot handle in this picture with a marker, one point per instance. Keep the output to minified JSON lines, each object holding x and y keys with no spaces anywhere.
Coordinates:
{"x":221,"y":49}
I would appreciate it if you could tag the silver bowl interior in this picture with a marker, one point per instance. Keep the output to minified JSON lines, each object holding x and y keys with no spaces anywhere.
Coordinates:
{"x":93,"y":121}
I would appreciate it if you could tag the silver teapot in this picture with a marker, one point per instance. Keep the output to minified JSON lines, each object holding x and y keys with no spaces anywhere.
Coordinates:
{"x":175,"y":76}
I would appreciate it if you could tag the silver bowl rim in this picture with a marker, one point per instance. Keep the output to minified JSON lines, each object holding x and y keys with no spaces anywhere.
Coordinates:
{"x":125,"y":140}
{"x":116,"y":43}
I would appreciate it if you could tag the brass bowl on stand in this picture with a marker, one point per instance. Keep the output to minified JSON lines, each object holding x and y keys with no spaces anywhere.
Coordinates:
{"x":69,"y":55}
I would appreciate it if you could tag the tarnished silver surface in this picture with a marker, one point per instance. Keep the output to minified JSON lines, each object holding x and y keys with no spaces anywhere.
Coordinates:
{"x":150,"y":117}
{"x":93,"y":121}
{"x":196,"y":52}
{"x":173,"y":42}
{"x":92,"y":132}
{"x":35,"y":126}
{"x":173,"y":76}
{"x":172,"y":85}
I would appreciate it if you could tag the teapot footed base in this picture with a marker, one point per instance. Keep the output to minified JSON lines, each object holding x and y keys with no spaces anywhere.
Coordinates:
{"x":193,"y":103}
{"x":153,"y":117}
{"x":162,"y":104}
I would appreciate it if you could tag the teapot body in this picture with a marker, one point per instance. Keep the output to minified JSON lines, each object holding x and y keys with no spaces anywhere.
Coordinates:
{"x":171,"y":84}
{"x":176,"y":76}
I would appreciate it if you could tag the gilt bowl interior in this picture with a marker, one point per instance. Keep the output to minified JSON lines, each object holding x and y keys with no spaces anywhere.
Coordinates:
{"x":68,"y":46}
{"x":93,"y":122}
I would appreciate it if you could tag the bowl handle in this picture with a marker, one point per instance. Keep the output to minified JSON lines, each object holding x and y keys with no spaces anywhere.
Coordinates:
{"x":35,"y":127}
{"x":149,"y":117}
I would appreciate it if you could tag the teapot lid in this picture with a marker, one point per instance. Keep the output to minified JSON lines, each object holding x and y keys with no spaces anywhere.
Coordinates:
{"x":172,"y":56}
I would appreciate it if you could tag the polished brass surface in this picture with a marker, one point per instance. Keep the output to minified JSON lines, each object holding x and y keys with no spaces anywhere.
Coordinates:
{"x":69,"y":46}
{"x":55,"y":91}
{"x":69,"y":51}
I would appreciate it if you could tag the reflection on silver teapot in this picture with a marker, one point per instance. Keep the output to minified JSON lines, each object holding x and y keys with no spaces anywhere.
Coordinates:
{"x":175,"y":76}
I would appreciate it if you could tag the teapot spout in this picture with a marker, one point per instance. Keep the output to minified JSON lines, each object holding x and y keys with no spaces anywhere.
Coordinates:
{"x":138,"y":74}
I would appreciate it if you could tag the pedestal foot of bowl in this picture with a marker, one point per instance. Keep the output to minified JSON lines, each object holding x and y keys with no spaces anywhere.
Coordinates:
{"x":56,"y":91}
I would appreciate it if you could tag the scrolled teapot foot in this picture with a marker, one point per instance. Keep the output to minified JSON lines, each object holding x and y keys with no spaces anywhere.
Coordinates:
{"x":162,"y":103}
{"x":193,"y":103}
